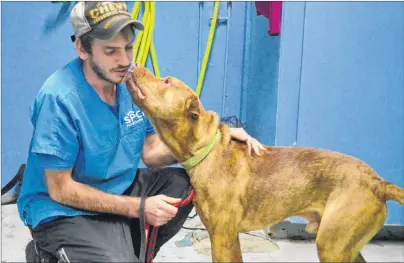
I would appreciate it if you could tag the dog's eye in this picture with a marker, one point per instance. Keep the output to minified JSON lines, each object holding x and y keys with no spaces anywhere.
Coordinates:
{"x":167,"y":81}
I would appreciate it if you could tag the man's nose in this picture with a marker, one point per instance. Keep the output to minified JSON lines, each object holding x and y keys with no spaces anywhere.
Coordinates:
{"x":126,"y":59}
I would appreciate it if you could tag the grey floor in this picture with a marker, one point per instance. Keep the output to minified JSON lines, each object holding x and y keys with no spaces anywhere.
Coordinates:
{"x":256,"y":249}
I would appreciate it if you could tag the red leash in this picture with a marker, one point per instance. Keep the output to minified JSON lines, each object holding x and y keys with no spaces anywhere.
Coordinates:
{"x":151,"y":244}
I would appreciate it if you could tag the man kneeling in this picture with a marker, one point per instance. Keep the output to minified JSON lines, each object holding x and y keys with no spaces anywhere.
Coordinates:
{"x":82,"y":190}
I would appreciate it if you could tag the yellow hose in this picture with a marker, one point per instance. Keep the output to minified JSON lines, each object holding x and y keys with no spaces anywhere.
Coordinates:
{"x":154,"y":60}
{"x":144,"y":41}
{"x":149,"y":34}
{"x":135,"y":10}
{"x":207,"y":49}
{"x":146,"y":22}
{"x":152,"y":49}
{"x":134,"y":15}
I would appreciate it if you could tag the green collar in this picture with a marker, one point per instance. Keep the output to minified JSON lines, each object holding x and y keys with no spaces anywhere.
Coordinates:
{"x":202,"y":153}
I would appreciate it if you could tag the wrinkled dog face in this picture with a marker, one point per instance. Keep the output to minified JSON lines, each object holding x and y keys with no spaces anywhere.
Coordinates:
{"x":162,"y":98}
{"x":174,"y":111}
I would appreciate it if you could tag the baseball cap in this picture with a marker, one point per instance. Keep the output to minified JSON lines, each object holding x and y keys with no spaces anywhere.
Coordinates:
{"x":101,"y":20}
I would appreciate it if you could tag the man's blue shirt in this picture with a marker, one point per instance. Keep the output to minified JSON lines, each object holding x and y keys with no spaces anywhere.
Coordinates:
{"x":74,"y":128}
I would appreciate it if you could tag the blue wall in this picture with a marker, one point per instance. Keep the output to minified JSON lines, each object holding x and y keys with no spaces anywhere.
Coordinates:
{"x":260,"y":79}
{"x":27,"y":59}
{"x":341,"y":83}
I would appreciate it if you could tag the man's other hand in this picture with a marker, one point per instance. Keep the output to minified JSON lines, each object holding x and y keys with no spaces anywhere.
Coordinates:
{"x":159,"y":209}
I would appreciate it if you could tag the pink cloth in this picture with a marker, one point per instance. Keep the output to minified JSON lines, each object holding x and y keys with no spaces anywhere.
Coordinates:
{"x":272,"y":10}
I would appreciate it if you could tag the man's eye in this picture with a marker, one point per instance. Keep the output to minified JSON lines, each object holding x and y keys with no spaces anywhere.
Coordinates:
{"x":110,"y":52}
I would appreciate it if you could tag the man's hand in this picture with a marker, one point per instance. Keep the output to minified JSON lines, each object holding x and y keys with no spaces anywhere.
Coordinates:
{"x":241,"y":135}
{"x":159,"y":209}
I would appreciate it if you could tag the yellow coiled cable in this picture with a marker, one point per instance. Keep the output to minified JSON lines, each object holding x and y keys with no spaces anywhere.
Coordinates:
{"x":144,"y":41}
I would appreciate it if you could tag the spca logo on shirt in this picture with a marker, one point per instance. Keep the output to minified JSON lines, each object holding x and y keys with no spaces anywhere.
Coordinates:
{"x":133,"y":117}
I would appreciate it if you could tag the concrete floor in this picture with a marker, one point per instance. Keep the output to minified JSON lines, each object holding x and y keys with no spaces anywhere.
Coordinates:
{"x":15,"y":236}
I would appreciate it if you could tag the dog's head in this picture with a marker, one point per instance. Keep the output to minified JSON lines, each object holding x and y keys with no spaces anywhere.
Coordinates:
{"x":162,"y":98}
{"x":173,"y":108}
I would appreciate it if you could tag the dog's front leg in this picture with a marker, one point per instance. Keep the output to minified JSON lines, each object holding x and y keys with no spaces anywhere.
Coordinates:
{"x":225,"y":246}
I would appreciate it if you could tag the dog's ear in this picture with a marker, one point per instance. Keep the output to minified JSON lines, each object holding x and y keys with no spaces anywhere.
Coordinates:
{"x":194,"y":109}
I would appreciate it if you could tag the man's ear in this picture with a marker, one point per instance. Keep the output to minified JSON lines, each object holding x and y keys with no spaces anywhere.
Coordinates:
{"x":80,"y":49}
{"x":194,"y":109}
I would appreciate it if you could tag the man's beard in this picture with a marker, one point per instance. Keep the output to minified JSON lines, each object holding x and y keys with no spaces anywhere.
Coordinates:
{"x":100,"y":72}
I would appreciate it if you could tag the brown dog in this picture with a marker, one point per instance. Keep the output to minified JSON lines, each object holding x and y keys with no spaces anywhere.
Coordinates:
{"x":342,"y":198}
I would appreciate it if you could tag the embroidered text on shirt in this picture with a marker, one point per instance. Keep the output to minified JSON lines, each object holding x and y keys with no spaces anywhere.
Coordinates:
{"x":133,"y":117}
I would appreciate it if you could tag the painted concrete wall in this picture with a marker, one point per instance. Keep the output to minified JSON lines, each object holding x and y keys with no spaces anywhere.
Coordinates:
{"x":261,"y":78}
{"x":341,"y":83}
{"x":27,"y":60}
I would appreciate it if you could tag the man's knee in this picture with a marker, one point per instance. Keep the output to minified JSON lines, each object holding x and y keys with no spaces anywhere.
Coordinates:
{"x":178,"y":183}
{"x":180,"y":177}
{"x":178,"y":186}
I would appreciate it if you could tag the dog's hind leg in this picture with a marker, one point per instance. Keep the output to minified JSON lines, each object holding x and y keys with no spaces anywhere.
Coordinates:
{"x":314,"y":219}
{"x":347,"y":225}
{"x":225,"y":246}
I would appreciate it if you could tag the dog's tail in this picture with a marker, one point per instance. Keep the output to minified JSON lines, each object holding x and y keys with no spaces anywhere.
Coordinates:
{"x":393,"y":192}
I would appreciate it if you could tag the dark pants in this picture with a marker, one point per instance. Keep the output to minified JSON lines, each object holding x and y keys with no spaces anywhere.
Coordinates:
{"x":113,"y":238}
